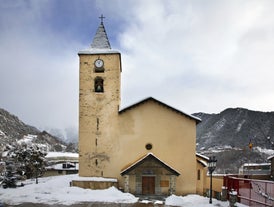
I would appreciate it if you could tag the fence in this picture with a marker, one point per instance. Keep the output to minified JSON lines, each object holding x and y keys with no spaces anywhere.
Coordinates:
{"x":251,"y":192}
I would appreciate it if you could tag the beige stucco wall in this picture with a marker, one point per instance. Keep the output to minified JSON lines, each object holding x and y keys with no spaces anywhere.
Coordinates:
{"x":201,"y":184}
{"x":171,"y":134}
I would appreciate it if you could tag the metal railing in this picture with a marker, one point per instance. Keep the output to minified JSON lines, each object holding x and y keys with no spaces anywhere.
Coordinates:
{"x":251,"y":192}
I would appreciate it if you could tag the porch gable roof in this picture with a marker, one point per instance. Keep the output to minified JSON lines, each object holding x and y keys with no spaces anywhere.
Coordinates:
{"x":137,"y":163}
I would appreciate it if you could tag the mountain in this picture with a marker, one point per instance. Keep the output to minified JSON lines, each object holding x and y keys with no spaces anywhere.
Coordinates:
{"x":13,"y":130}
{"x":69,"y":134}
{"x":12,"y":127}
{"x":227,"y":136}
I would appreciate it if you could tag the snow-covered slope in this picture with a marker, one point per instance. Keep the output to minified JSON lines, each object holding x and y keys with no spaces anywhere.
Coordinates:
{"x":235,"y":127}
{"x":228,"y":134}
{"x":14,"y":131}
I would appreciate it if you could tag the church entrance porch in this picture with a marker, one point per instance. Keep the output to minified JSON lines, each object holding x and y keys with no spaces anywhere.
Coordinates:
{"x":149,"y":176}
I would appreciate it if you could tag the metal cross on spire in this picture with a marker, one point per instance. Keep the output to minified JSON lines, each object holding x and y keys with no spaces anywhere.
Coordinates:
{"x":102,"y":18}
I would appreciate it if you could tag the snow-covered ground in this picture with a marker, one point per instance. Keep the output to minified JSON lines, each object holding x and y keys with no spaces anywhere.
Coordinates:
{"x":56,"y":190}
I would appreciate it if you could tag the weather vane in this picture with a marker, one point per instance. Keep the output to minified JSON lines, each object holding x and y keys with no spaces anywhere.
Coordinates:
{"x":102,"y":18}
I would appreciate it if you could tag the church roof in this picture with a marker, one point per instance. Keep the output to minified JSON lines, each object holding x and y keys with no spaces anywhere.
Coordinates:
{"x":202,"y":159}
{"x":145,"y":158}
{"x":161,"y":103}
{"x":100,"y":40}
{"x":202,"y":156}
{"x":100,"y":43}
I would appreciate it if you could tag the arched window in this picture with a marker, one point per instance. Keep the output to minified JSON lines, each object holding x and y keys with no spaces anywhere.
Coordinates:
{"x":99,"y":85}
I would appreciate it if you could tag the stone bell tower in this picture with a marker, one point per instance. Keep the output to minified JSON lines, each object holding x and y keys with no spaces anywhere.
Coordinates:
{"x":99,"y":100}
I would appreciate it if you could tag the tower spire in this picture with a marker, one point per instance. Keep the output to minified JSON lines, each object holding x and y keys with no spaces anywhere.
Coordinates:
{"x":100,"y":40}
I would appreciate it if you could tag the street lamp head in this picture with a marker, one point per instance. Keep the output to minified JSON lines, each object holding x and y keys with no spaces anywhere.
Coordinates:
{"x":212,"y":164}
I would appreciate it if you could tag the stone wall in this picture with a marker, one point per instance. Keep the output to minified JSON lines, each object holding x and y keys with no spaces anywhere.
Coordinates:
{"x":95,"y":185}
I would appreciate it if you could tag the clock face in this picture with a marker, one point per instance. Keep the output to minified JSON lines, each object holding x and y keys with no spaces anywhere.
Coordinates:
{"x":99,"y":63}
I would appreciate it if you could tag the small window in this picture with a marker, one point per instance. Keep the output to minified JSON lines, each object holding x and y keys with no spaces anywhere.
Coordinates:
{"x":99,"y":85}
{"x":149,"y":146}
{"x":199,"y":175}
{"x":68,"y":165}
{"x":98,"y":122}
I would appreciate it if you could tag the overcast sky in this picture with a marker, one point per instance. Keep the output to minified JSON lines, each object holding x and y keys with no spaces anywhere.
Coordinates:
{"x":196,"y":55}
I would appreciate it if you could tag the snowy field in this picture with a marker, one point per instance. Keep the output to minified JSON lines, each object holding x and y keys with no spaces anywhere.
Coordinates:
{"x":56,"y":190}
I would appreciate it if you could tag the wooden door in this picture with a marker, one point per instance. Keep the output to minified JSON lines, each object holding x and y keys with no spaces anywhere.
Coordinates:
{"x":148,"y":185}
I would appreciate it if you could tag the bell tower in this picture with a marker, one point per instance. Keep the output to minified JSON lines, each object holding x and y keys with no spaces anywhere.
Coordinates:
{"x":99,"y":101}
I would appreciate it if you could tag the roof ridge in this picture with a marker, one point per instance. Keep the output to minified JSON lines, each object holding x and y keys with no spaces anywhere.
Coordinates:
{"x":122,"y":110}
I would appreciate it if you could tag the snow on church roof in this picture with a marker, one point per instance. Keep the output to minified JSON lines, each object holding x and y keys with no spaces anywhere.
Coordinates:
{"x":97,"y":51}
{"x":161,"y":103}
{"x":202,"y":156}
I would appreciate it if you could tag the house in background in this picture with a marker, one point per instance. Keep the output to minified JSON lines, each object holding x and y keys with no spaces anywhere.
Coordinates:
{"x":60,"y":163}
{"x":63,"y":168}
{"x":255,"y":169}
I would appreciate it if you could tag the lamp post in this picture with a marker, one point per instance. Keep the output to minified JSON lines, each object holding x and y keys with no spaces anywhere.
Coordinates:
{"x":211,"y":167}
{"x":36,"y":171}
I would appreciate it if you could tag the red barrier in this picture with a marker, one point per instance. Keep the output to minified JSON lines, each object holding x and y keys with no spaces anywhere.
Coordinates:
{"x":251,"y":192}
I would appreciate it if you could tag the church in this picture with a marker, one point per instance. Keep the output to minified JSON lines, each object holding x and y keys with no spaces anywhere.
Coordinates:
{"x":149,"y":147}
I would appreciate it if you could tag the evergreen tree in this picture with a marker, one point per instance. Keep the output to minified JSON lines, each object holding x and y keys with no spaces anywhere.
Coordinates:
{"x":31,"y":161}
{"x":26,"y":161}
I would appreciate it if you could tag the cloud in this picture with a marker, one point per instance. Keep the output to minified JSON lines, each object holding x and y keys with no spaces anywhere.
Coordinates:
{"x":200,"y":56}
{"x":193,"y":55}
{"x":39,"y":68}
